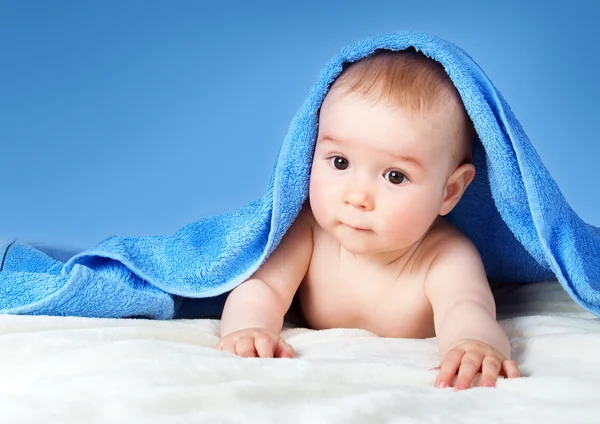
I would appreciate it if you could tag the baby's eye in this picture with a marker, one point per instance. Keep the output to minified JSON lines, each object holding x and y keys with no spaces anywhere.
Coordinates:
{"x":338,"y":162}
{"x":395,"y":177}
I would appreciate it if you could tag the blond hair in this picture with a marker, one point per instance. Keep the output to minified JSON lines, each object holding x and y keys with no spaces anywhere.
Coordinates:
{"x":412,"y":81}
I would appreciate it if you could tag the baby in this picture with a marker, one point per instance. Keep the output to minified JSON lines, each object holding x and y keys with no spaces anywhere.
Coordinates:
{"x":371,"y":249}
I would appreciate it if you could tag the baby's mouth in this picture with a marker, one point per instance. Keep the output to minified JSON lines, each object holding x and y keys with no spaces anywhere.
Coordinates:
{"x":360,"y":229}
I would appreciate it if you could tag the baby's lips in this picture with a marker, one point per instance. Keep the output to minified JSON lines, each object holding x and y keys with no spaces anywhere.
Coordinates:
{"x":434,"y":368}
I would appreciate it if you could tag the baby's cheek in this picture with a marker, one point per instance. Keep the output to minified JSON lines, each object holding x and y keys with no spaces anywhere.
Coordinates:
{"x":320,"y":199}
{"x":409,"y":226}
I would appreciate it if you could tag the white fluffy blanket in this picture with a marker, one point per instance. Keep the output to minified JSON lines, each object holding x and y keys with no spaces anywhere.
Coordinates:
{"x":75,"y":370}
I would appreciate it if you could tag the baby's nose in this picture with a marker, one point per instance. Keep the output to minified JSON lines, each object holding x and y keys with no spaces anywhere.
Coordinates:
{"x":359,"y":199}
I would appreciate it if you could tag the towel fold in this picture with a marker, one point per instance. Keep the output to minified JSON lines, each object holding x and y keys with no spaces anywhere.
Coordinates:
{"x":513,"y":211}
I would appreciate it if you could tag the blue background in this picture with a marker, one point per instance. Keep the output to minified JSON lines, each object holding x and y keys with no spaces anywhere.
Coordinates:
{"x":137,"y":117}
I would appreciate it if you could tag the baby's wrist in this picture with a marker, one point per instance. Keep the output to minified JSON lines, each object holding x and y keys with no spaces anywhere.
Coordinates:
{"x":503,"y":351}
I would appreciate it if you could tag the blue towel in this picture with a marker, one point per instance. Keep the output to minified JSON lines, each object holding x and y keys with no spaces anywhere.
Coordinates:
{"x":513,"y":211}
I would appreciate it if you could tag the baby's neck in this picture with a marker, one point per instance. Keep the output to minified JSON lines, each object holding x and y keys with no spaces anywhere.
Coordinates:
{"x":396,"y":259}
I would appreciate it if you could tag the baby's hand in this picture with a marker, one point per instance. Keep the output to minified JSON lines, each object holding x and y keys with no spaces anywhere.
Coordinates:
{"x":469,"y":357}
{"x":255,"y":342}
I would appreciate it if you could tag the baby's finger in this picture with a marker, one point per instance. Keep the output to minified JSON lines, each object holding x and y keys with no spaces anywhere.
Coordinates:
{"x":490,"y":369}
{"x":245,"y":347}
{"x":448,"y":368}
{"x":284,"y":350}
{"x":264,"y":346}
{"x":510,"y":369}
{"x":226,"y":346}
{"x":469,"y":366}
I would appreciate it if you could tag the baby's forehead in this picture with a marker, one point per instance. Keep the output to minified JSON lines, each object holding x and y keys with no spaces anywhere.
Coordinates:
{"x":417,"y":140}
{"x":408,"y":79}
{"x":443,"y":138}
{"x":444,"y":111}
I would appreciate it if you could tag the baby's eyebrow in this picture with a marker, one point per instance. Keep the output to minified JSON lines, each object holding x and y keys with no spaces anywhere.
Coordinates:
{"x":328,"y":139}
{"x":407,"y":159}
{"x":399,"y":157}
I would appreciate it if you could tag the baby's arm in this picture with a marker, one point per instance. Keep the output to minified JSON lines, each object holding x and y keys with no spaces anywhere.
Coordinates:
{"x":253,"y":314}
{"x":469,"y":337}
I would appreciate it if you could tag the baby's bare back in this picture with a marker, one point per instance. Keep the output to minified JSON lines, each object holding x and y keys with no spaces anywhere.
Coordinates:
{"x":341,"y":291}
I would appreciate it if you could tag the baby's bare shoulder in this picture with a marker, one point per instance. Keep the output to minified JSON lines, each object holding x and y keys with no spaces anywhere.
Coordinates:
{"x":445,"y":239}
{"x":447,"y":252}
{"x":456,"y":264}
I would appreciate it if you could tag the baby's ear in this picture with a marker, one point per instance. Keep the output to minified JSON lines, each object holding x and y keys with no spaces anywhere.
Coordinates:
{"x":456,"y":186}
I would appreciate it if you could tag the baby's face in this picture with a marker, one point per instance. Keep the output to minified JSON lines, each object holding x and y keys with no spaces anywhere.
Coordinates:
{"x":379,"y":172}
